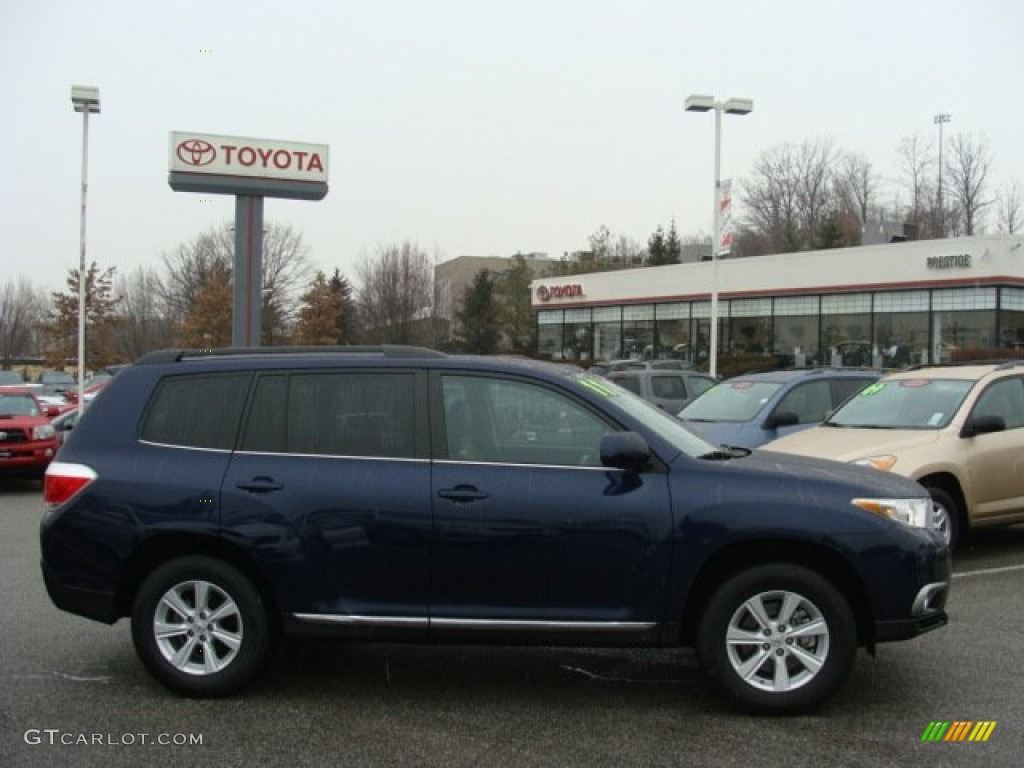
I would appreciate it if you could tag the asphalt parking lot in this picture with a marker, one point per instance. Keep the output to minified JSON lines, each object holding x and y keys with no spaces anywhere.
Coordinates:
{"x":72,"y":692}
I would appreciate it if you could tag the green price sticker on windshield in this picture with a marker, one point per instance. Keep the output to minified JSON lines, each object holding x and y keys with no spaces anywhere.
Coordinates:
{"x":872,"y":389}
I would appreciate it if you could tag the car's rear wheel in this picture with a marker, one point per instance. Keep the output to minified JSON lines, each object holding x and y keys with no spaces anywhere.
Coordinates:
{"x":946,"y":516}
{"x":200,"y":627}
{"x":777,"y":638}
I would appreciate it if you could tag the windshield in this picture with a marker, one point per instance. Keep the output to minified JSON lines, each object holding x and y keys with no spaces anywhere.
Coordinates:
{"x":18,"y":405}
{"x":731,"y":401}
{"x":903,"y":404}
{"x":666,"y":426}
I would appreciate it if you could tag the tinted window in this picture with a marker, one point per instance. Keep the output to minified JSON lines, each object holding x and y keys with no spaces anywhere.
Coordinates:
{"x":1004,"y":399}
{"x":630,"y":383}
{"x":810,"y":402}
{"x":501,"y":420}
{"x":334,"y":414}
{"x":844,"y":388}
{"x":196,"y":411}
{"x":669,"y":387}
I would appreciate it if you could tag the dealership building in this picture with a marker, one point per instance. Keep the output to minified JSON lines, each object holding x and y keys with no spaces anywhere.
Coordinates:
{"x":895,"y":305}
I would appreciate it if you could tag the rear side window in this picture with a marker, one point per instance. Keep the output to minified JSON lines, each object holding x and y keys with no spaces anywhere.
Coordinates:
{"x":668,"y":387}
{"x":334,"y":414}
{"x":200,"y":411}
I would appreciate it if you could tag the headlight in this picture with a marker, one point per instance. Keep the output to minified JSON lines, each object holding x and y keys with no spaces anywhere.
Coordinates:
{"x":883,"y":463}
{"x":44,"y":432}
{"x":916,"y":513}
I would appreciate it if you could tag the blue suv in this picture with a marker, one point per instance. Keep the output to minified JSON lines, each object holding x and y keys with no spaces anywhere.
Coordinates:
{"x":218,"y":499}
{"x":752,"y":409}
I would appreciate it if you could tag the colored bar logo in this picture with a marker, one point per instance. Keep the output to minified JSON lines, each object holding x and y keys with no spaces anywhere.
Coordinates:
{"x":959,"y":730}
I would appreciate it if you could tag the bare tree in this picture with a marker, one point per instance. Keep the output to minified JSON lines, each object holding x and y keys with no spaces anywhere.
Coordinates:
{"x":286,"y":272}
{"x":1010,"y":214}
{"x":916,"y":165}
{"x":395,"y":295}
{"x":22,"y":308}
{"x":857,"y":185}
{"x":968,"y":172}
{"x":192,"y":266}
{"x":790,"y":196}
{"x":144,"y":321}
{"x":101,"y":320}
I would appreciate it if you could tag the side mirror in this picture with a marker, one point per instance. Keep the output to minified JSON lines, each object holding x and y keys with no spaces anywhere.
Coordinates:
{"x":51,"y":411}
{"x":625,"y":450}
{"x":781,"y":419}
{"x":983,"y":425}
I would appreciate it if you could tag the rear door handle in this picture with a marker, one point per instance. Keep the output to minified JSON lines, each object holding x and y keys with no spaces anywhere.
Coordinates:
{"x":462,"y":493}
{"x":260,"y":485}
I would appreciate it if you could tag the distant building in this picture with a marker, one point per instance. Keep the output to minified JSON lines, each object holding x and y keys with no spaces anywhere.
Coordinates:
{"x":897,"y":304}
{"x":884,"y":231}
{"x":451,"y":278}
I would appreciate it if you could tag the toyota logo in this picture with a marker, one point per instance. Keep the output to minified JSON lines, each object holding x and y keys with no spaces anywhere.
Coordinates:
{"x":196,"y":152}
{"x":544,"y":293}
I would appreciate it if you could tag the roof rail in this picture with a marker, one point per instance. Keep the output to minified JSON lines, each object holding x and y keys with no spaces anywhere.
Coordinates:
{"x":384,"y":350}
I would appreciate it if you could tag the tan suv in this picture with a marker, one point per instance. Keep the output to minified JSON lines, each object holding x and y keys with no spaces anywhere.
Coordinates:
{"x":957,"y":430}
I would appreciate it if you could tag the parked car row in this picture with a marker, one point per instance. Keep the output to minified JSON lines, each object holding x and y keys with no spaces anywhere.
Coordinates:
{"x":956,"y":430}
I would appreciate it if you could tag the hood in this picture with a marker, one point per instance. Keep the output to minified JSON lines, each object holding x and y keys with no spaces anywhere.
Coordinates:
{"x":799,"y":473}
{"x":850,"y":444}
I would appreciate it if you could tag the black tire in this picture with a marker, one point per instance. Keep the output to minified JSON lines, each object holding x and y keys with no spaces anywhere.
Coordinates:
{"x":948,"y":517}
{"x":811,"y":656}
{"x":221,"y":631}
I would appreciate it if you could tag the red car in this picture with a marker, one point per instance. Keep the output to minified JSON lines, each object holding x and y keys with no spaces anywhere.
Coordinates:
{"x":28,"y":442}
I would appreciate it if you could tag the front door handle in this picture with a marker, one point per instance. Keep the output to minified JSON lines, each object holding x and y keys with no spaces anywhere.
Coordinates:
{"x":462,"y":494}
{"x":260,"y":485}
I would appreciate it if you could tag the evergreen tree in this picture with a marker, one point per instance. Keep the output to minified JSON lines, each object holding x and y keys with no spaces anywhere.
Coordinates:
{"x":656,"y":248}
{"x":512,"y":291}
{"x":479,"y":316}
{"x":319,"y":313}
{"x":208,"y":323}
{"x":673,"y":246}
{"x":345,"y":325}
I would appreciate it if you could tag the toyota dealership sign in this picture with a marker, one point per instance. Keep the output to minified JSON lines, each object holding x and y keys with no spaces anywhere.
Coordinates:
{"x":202,"y":162}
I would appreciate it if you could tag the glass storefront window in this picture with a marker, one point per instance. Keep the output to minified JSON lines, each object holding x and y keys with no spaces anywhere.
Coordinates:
{"x":846,"y":330}
{"x":901,"y":329}
{"x":963,"y":324}
{"x":607,"y":333}
{"x":1011,"y":320}
{"x":638,"y":332}
{"x":577,"y":335}
{"x":750,"y":326}
{"x":549,"y":333}
{"x":672,"y":328}
{"x":796,"y":330}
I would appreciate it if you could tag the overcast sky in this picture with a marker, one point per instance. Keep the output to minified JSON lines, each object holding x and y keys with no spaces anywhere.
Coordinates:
{"x":470,"y":127}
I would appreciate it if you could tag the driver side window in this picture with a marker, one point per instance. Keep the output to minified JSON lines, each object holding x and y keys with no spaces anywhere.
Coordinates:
{"x":514,"y":422}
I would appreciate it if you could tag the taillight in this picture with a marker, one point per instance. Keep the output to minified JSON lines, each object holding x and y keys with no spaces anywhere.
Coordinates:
{"x":63,"y":480}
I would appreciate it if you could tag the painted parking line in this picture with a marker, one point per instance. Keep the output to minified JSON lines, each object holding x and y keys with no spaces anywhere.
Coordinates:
{"x":988,"y":571}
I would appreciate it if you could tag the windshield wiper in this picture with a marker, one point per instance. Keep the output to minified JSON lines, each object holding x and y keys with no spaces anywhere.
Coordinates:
{"x":725,"y":452}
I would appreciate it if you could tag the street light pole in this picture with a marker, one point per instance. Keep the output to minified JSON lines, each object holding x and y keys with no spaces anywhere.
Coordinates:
{"x":940,"y":120}
{"x":86,"y":99}
{"x":733,"y":106}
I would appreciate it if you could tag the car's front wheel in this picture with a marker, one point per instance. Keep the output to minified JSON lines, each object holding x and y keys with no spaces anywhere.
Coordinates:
{"x":777,"y":638}
{"x":946,"y":516}
{"x":200,"y":627}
